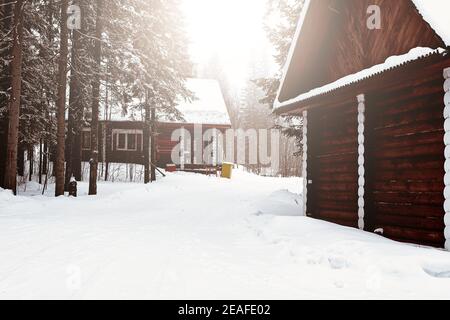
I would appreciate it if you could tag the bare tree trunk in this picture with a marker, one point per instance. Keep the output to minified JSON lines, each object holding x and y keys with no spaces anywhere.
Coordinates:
{"x":153,"y":144}
{"x":31,"y":161}
{"x":40,"y":161}
{"x":61,"y":102}
{"x":107,"y":145}
{"x":21,"y":160}
{"x":96,"y":101}
{"x":146,"y":140}
{"x":105,"y":128}
{"x":45,"y":159}
{"x":14,"y":103}
{"x":5,"y":83}
{"x":74,"y":110}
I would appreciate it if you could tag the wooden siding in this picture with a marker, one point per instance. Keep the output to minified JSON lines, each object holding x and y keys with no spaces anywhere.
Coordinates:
{"x":404,"y":160}
{"x":341,"y":44}
{"x":164,"y":145}
{"x":407,"y":158}
{"x":333,"y":164}
{"x":356,"y":47}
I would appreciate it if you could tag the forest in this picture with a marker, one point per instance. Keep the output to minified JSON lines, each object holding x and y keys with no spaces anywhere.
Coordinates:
{"x":63,"y":64}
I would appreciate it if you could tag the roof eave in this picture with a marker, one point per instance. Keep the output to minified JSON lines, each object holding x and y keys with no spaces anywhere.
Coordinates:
{"x":290,"y":56}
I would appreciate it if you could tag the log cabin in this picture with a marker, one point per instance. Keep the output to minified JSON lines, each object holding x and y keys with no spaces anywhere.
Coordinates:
{"x":375,"y":104}
{"x":121,"y":138}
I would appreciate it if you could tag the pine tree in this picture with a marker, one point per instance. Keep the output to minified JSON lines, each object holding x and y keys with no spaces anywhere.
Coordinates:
{"x":281,"y":37}
{"x":61,"y":102}
{"x":96,"y":101}
{"x":78,"y":79}
{"x":14,"y":102}
{"x":5,"y":79}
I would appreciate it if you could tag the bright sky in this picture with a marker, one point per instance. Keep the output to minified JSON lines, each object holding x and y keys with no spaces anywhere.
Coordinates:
{"x":233,"y":29}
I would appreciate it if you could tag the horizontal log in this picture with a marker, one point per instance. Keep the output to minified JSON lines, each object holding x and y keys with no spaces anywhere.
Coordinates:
{"x":428,"y":198}
{"x":409,"y":175}
{"x":339,"y":177}
{"x":337,"y":158}
{"x":338,"y":196}
{"x":411,"y":210}
{"x":409,"y":164}
{"x":426,"y":88}
{"x":408,"y":186}
{"x":419,"y":138}
{"x":409,"y":129}
{"x":413,"y":235}
{"x":333,"y":133}
{"x":421,"y":223}
{"x":339,"y":149}
{"x":432,"y":113}
{"x":436,"y":149}
{"x":348,"y":219}
{"x":334,"y":205}
{"x":399,"y":103}
{"x":345,"y":140}
{"x":346,"y":167}
{"x":326,"y":186}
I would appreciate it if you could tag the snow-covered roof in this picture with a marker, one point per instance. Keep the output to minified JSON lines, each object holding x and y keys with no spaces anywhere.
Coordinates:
{"x":435,"y":12}
{"x":208,"y":107}
{"x":390,"y":63}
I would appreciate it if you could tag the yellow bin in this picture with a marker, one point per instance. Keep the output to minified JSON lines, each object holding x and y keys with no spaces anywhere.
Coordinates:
{"x":227,"y":170}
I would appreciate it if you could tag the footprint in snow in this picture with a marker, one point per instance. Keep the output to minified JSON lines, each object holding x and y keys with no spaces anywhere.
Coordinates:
{"x":436,"y":271}
{"x":338,"y":263}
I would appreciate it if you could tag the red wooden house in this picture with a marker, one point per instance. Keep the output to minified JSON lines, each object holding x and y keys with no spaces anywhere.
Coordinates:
{"x":121,"y":139}
{"x":376,"y":106}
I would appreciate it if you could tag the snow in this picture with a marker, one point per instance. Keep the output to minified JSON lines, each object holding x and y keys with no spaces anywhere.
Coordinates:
{"x":391,"y":62}
{"x":209,"y":106}
{"x":436,"y":13}
{"x":197,"y":237}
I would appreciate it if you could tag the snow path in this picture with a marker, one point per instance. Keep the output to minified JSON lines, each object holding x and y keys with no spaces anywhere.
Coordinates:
{"x":196,"y":237}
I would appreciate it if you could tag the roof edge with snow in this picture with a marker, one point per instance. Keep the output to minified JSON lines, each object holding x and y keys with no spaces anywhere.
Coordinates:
{"x":428,"y":15}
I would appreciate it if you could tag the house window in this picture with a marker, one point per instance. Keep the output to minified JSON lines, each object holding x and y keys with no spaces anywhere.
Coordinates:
{"x":131,"y":139}
{"x":86,"y":139}
{"x":121,"y":141}
{"x":127,"y":140}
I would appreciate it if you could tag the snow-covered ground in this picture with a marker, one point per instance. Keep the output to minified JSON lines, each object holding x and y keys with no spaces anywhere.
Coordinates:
{"x":196,"y":237}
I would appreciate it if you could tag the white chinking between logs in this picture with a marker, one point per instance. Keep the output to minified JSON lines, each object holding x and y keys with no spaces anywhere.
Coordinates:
{"x":305,"y":161}
{"x":447,"y":157}
{"x":361,"y":160}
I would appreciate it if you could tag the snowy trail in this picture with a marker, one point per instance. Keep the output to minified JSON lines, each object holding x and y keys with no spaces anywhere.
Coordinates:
{"x":196,"y":237}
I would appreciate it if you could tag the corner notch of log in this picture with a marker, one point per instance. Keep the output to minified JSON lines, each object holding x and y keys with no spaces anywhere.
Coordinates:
{"x":447,"y":157}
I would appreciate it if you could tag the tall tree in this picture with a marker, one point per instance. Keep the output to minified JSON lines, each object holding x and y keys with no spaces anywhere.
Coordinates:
{"x":61,"y":102}
{"x":153,"y":143}
{"x":146,"y":140}
{"x":14,"y":103}
{"x":75,"y":114}
{"x":96,"y":101}
{"x":5,"y":79}
{"x":281,"y":36}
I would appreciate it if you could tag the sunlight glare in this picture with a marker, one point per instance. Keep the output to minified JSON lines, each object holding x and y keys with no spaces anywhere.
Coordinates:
{"x":231,"y":29}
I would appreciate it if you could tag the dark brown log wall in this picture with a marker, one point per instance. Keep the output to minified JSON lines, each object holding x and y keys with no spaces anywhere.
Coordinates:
{"x":164,"y":145}
{"x":407,"y":159}
{"x":333,"y":165}
{"x":336,"y":42}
